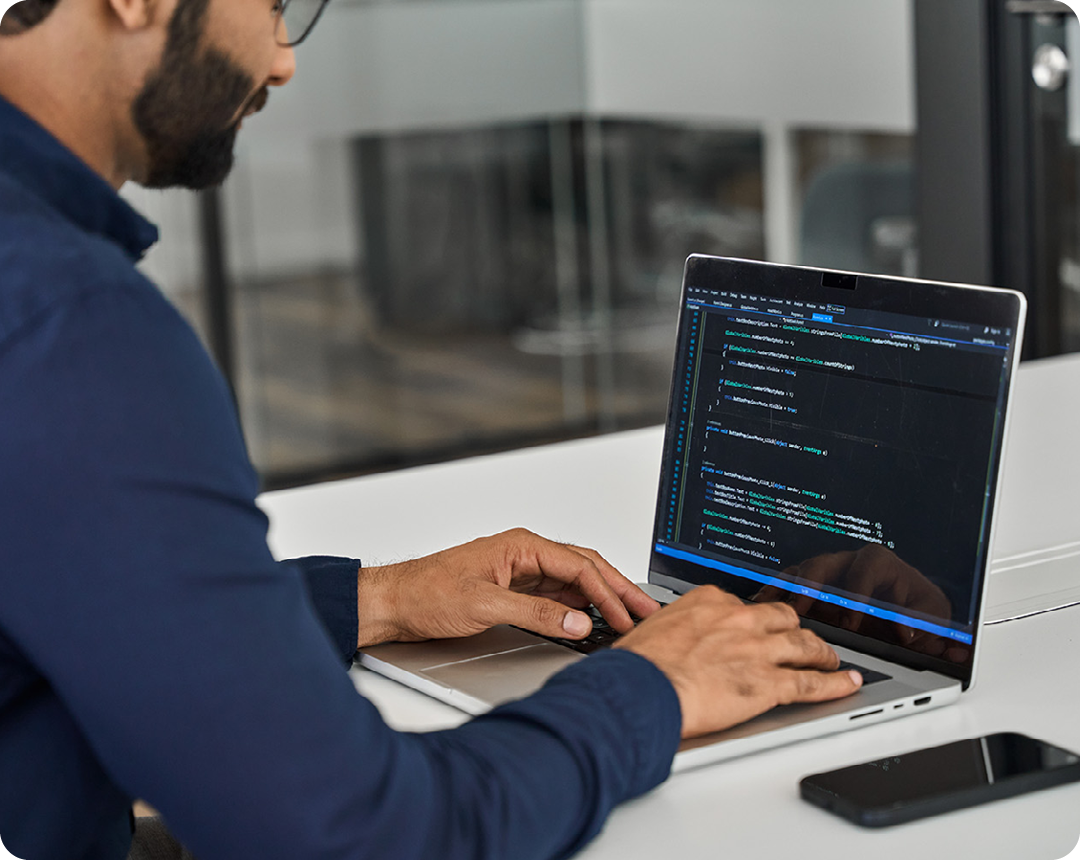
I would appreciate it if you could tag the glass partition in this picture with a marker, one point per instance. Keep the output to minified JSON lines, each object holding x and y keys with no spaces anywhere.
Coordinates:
{"x":462,"y":226}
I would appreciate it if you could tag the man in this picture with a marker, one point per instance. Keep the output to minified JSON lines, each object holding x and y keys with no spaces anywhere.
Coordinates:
{"x":150,"y":646}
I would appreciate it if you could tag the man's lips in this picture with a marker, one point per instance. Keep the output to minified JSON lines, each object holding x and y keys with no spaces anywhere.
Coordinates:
{"x":257,"y":103}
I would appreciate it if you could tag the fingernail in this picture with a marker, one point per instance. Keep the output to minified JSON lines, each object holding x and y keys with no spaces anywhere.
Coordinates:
{"x":576,"y":624}
{"x":856,"y":677}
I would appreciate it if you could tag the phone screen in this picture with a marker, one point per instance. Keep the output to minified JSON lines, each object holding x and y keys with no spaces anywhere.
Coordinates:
{"x":938,"y":779}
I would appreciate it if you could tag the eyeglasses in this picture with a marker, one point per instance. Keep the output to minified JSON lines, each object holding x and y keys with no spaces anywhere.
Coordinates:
{"x":294,"y":19}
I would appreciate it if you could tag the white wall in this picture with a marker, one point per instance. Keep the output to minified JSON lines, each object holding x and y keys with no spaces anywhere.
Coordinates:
{"x":454,"y":63}
{"x":425,"y":65}
{"x":833,"y":63}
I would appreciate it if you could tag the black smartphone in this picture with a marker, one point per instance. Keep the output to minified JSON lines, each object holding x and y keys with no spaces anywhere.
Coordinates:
{"x":940,"y":779}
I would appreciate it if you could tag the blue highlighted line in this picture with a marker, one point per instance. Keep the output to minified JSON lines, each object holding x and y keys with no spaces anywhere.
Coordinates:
{"x":824,"y":596}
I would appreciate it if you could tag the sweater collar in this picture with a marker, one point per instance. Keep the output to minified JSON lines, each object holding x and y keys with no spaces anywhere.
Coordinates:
{"x":43,"y":165}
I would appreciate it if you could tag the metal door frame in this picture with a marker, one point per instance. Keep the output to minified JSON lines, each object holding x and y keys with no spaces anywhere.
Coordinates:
{"x":990,"y":152}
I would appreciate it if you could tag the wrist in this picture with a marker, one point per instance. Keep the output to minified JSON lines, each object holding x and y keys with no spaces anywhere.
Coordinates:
{"x":375,"y":608}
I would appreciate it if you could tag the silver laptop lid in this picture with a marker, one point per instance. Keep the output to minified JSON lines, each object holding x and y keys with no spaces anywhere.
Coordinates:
{"x":834,"y":441}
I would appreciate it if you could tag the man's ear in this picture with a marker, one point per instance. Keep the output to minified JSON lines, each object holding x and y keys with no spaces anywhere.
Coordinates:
{"x":133,"y":14}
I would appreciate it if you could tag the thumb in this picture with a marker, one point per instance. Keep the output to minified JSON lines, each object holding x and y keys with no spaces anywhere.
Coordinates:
{"x":538,"y":614}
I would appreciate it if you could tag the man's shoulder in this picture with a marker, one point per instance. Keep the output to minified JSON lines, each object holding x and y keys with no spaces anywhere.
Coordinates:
{"x":47,"y":263}
{"x":94,"y":358}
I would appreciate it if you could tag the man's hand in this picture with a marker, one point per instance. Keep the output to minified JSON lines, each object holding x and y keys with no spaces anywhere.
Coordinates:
{"x":515,"y":577}
{"x":729,"y":661}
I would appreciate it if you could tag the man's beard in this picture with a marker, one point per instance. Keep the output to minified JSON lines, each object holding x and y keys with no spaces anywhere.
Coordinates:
{"x":187,"y":111}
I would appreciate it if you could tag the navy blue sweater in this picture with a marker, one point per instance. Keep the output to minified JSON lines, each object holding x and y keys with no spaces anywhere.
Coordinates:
{"x":150,"y":645}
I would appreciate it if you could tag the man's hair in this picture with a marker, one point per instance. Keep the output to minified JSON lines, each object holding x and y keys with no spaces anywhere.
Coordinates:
{"x":22,"y":16}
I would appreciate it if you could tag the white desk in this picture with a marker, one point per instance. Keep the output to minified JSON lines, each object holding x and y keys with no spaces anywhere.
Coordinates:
{"x":601,"y":492}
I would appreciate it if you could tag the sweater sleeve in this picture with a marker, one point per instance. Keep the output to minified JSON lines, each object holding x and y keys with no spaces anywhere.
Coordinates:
{"x":602,"y":731}
{"x":198,"y":670}
{"x":331,"y":584}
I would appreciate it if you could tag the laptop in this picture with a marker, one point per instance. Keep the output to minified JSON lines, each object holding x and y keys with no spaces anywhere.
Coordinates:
{"x":833,"y":441}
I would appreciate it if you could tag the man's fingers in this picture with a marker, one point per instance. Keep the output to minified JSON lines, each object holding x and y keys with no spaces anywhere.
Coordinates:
{"x":802,"y":649}
{"x":805,"y":685}
{"x":584,"y":569}
{"x":633,"y":598}
{"x":776,"y":617}
{"x":594,"y":586}
{"x":537,"y":614}
{"x":575,"y":568}
{"x":570,"y":597}
{"x":730,"y":661}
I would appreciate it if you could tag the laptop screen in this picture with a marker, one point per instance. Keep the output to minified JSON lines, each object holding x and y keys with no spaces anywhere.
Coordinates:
{"x":833,"y":442}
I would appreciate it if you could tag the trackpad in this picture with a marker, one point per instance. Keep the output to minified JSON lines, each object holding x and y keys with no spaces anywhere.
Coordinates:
{"x":500,"y":678}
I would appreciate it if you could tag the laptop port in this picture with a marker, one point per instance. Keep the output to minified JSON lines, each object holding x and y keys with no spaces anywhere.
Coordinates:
{"x":865,"y":714}
{"x":925,"y":700}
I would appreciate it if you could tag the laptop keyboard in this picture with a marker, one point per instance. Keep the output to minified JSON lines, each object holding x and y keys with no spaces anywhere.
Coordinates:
{"x":604,"y":636}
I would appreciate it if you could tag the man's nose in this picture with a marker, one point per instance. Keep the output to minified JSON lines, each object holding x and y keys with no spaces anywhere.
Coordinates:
{"x":284,"y":67}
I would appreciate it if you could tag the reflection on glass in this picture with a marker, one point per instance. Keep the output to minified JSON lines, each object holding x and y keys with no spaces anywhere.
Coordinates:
{"x":1069,"y":272}
{"x":861,"y":580}
{"x":858,"y":206}
{"x":476,"y":288}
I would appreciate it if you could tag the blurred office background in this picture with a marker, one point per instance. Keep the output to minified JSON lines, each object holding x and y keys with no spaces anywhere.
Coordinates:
{"x":461,"y":227}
